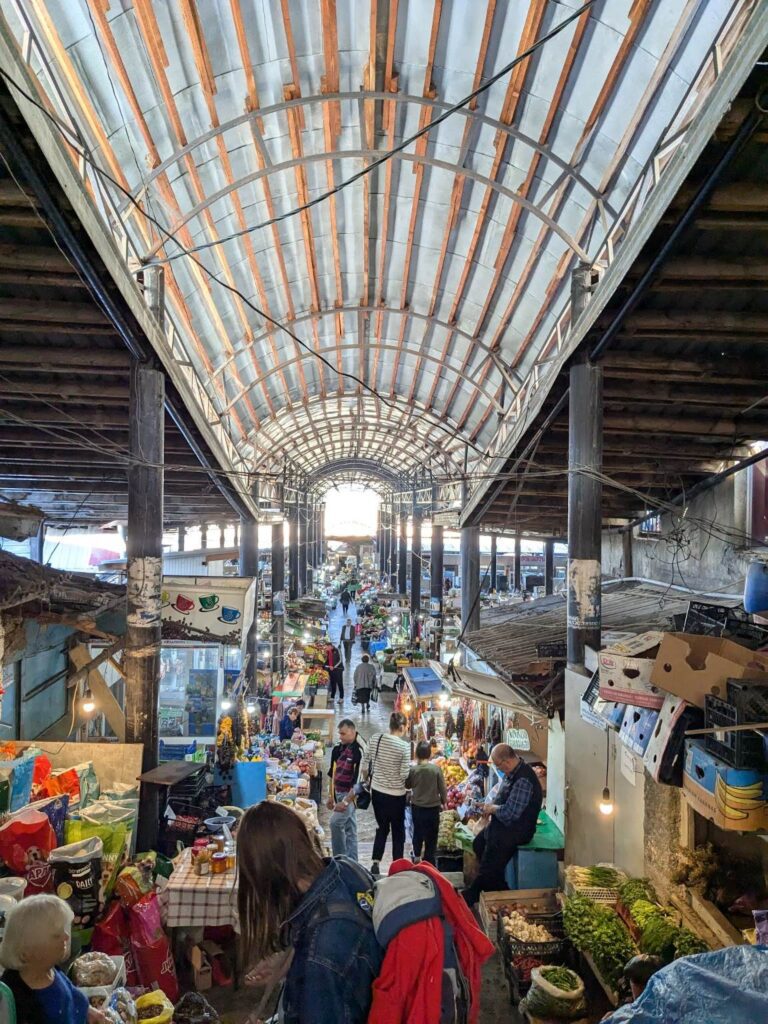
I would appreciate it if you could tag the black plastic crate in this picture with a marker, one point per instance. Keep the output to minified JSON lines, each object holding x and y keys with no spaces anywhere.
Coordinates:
{"x":738,"y":749}
{"x":750,"y":698}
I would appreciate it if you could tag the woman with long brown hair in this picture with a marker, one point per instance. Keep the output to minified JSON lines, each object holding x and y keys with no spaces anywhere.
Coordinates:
{"x":315,"y":911}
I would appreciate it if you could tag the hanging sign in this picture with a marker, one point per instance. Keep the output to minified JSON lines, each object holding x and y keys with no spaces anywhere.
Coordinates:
{"x":449,"y":518}
{"x":211,"y":609}
{"x":518,"y":739}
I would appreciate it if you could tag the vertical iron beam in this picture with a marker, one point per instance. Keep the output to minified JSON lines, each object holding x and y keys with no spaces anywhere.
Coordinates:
{"x":415,"y":568}
{"x":182,"y":538}
{"x":494,"y":573}
{"x":585,"y":460}
{"x":402,"y":555}
{"x":301,"y":508}
{"x":293,"y":550}
{"x":518,"y":568}
{"x":37,"y":545}
{"x":470,"y":573}
{"x":249,"y":566}
{"x":626,"y":552}
{"x":549,"y":566}
{"x":144,"y":554}
{"x":278,"y":594}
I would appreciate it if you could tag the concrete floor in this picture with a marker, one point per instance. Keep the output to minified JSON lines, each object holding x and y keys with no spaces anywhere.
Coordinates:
{"x":235,"y":1007}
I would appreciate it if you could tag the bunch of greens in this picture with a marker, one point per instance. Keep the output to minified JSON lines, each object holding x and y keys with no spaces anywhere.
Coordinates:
{"x":636,"y":889}
{"x":598,"y":930}
{"x":688,"y":944}
{"x":659,"y":936}
{"x":604,"y":878}
{"x":643,"y":912}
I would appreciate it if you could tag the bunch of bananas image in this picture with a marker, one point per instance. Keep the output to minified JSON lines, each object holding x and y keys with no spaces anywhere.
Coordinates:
{"x":739,"y":802}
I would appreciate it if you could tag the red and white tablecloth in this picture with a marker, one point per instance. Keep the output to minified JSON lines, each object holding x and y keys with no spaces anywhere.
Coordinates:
{"x":194,"y":901}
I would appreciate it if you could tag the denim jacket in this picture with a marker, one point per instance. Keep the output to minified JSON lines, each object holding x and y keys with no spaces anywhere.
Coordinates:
{"x":337,"y":957}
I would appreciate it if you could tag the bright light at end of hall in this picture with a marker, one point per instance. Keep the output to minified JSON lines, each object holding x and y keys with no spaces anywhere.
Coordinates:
{"x":351,"y":511}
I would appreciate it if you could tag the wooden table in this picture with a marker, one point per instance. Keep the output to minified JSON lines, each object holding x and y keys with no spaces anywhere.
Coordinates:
{"x":322,"y":716}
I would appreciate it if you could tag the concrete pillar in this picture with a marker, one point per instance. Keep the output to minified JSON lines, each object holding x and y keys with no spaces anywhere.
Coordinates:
{"x":415,"y":569}
{"x":585,"y":458}
{"x":203,"y":536}
{"x":549,"y":566}
{"x":144,"y":556}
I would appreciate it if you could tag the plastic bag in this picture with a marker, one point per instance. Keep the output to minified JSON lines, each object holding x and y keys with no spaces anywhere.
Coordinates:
{"x":719,"y":988}
{"x":113,"y":844}
{"x":63,"y":781}
{"x":110,"y":812}
{"x":121,"y":1003}
{"x":76,"y":877}
{"x":55,"y":809}
{"x":92,"y":970}
{"x":112,"y":935}
{"x":158,"y":1001}
{"x":22,"y":771}
{"x":26,"y":838}
{"x":90,"y":789}
{"x":545,"y":999}
{"x":151,"y":947}
{"x":194,"y":1009}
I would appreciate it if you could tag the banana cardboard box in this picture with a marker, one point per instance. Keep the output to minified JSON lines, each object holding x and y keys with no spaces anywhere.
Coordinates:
{"x":733,"y":798}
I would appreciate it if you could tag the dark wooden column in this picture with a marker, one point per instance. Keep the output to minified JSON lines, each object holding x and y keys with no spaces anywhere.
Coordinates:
{"x":494,"y":570}
{"x":415,"y":568}
{"x":585,"y":457}
{"x":293,"y":550}
{"x":402,"y":556}
{"x":549,"y":566}
{"x":518,"y":578}
{"x":626,"y":553}
{"x":278,"y":594}
{"x":144,"y":543}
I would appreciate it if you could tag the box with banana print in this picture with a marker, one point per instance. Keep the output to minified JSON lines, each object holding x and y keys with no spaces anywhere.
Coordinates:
{"x":733,"y":798}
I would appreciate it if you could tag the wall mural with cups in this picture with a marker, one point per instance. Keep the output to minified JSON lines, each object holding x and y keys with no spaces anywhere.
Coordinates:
{"x":213,"y":609}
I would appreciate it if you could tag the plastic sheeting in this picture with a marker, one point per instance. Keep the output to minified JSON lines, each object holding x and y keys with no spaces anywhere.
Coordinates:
{"x":712,"y":988}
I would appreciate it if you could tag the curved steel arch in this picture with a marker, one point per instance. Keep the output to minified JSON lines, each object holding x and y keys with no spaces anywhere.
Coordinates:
{"x":353,"y":465}
{"x":313,"y":455}
{"x":354,"y":347}
{"x":365,"y":95}
{"x":374,"y":428}
{"x":371,"y":403}
{"x":431,"y":321}
{"x":360,"y":154}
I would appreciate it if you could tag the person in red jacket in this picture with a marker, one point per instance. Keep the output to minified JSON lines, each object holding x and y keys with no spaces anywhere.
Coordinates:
{"x":412,"y":908}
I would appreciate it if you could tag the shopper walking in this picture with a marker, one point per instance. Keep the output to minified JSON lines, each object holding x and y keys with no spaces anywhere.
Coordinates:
{"x":346,"y":759}
{"x":345,"y":599}
{"x":305,"y":919}
{"x":512,"y":815}
{"x":388,"y":770}
{"x":347,"y":639}
{"x":336,"y":673}
{"x":428,"y":798}
{"x":364,"y":682}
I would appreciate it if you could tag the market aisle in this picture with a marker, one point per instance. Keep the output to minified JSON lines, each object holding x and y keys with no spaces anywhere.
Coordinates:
{"x":367,"y":726}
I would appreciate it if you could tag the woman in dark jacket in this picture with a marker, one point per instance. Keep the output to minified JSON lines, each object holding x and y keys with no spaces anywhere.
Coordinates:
{"x":306,"y":918}
{"x":290,"y":723}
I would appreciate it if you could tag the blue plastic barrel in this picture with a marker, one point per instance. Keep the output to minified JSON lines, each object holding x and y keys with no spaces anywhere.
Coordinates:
{"x":756,"y":588}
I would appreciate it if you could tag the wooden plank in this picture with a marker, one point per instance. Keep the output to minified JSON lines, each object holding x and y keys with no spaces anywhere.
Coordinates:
{"x":170,"y":772}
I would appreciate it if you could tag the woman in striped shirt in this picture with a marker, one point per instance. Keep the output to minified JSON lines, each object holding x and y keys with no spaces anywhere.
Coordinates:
{"x":390,"y":764}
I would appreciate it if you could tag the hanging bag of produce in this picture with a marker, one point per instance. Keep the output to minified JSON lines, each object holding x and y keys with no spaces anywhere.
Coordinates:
{"x":555,"y":992}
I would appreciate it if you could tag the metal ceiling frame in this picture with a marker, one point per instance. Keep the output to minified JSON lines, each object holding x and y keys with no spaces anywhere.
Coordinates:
{"x":510,"y":377}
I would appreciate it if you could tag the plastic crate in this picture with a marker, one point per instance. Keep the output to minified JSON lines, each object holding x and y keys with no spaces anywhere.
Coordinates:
{"x":750,"y":698}
{"x":544,"y":951}
{"x":738,"y":749}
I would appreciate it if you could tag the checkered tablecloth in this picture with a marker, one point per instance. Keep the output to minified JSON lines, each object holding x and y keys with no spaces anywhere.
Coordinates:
{"x":193,"y":901}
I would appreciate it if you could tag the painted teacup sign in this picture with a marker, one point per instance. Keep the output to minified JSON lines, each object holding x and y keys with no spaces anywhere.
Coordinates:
{"x":183,"y":604}
{"x":209,"y":603}
{"x":229,"y":614}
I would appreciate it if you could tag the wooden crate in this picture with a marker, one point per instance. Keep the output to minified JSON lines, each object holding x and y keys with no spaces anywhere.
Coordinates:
{"x":539,"y":901}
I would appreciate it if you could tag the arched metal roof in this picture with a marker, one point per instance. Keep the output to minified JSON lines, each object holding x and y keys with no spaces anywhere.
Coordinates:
{"x":438,"y":278}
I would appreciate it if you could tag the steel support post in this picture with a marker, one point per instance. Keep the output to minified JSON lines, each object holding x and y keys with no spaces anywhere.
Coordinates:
{"x":278,"y":595}
{"x":182,"y":538}
{"x":402,"y":556}
{"x":626,"y":552}
{"x":144,"y":544}
{"x":585,"y":461}
{"x":494,"y":572}
{"x":415,"y":569}
{"x":549,"y":566}
{"x":392,"y":551}
{"x":37,"y":544}
{"x":436,"y":583}
{"x":470,"y":572}
{"x":518,"y":579}
{"x":293,"y":550}
{"x":302,"y":521}
{"x":249,"y":566}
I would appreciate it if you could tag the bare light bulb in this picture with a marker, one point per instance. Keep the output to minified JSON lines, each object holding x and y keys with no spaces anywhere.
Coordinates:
{"x":606,"y":804}
{"x":89,"y":704}
{"x":226,"y":705}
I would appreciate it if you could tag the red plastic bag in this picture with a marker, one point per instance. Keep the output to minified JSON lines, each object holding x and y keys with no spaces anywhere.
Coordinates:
{"x":151,"y":947}
{"x":112,"y":936}
{"x":67,"y":782}
{"x":41,"y":772}
{"x":26,"y":839}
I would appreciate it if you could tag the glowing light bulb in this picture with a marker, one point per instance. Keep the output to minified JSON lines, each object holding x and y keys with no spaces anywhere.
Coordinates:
{"x":606,"y":804}
{"x":226,"y":704}
{"x":89,"y":704}
{"x":250,"y":707}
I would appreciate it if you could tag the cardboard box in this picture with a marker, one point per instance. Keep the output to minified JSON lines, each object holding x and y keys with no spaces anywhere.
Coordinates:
{"x":734,"y":799}
{"x":201,"y":969}
{"x":691,"y":666}
{"x":665,"y":754}
{"x":637,"y":728}
{"x":625,"y":671}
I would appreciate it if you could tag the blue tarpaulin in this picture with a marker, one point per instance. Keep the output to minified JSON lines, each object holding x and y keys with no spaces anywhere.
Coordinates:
{"x":725,"y":987}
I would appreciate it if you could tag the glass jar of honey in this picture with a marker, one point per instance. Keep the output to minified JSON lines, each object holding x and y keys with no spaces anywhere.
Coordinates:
{"x":219,"y":863}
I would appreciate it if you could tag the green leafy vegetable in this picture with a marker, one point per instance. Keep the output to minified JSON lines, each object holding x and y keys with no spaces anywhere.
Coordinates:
{"x":688,"y":944}
{"x":642,"y":912}
{"x":658,"y":937}
{"x":598,"y":930}
{"x":636,"y":889}
{"x":561,"y":978}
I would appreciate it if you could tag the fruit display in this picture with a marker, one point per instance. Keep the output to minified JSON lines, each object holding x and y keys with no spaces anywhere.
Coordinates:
{"x":453,"y":773}
{"x":455,"y":798}
{"x":446,"y":833}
